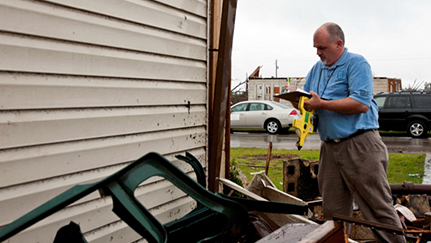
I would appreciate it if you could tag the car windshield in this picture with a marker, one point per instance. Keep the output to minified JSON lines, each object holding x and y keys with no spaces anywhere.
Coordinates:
{"x":239,"y":107}
{"x":281,"y":105}
{"x":380,"y":101}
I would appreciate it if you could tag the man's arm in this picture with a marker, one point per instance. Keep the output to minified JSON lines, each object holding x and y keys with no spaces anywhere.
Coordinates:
{"x":345,"y":106}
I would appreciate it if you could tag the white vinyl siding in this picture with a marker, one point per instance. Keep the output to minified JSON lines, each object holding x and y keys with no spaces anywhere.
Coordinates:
{"x":88,"y":86}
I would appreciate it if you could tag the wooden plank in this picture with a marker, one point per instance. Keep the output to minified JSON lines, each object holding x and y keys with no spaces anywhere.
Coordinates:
{"x":38,"y":162}
{"x":279,"y":196}
{"x":330,"y":231}
{"x":149,"y":13}
{"x":220,"y":102}
{"x":240,"y":189}
{"x":289,"y":233}
{"x":26,"y":17}
{"x":273,"y":194}
{"x":55,"y":57}
{"x":263,"y":186}
{"x":371,"y":224}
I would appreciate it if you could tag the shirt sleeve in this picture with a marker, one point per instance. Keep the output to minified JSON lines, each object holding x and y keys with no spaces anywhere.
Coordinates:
{"x":361,"y":82}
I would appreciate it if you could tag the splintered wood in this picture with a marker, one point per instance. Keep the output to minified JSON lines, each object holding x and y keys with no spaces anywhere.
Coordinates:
{"x":418,"y":204}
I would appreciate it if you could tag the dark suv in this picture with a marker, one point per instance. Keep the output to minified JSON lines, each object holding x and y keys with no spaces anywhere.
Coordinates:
{"x":405,"y":111}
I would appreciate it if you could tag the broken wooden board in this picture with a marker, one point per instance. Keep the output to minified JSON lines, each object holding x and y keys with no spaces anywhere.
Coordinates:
{"x":328,"y":232}
{"x":263,"y":186}
{"x":374,"y":225}
{"x":289,"y":233}
{"x":418,"y":204}
{"x":295,"y":227}
{"x":360,"y":232}
{"x":241,"y":189}
{"x":307,"y":233}
{"x":279,"y":219}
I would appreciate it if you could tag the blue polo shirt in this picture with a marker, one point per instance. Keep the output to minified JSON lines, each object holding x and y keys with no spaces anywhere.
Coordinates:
{"x":350,"y":76}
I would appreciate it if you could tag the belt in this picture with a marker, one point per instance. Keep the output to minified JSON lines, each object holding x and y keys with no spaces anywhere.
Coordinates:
{"x":357,"y":133}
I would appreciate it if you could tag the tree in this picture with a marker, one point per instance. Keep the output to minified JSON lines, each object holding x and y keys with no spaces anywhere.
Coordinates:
{"x":238,"y":96}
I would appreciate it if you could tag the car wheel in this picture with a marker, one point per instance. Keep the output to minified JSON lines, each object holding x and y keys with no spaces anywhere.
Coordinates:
{"x":272,"y":126}
{"x":417,"y":129}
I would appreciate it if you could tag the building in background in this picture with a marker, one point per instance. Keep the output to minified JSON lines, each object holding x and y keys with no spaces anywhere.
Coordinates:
{"x":265,"y":88}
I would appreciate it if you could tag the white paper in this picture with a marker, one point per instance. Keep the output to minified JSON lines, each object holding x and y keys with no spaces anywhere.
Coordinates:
{"x":302,"y":91}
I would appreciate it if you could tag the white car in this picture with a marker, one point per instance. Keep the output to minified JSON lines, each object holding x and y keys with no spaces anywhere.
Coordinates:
{"x":270,"y":115}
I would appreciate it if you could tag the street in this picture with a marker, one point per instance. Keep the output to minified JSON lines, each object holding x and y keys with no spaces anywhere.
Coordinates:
{"x":402,"y":144}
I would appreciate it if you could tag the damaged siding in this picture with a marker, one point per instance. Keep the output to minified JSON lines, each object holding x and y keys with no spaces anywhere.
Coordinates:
{"x":86,"y":87}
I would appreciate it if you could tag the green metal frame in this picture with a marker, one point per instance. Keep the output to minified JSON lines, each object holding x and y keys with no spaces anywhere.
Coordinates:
{"x":217,"y":217}
{"x":121,"y":186}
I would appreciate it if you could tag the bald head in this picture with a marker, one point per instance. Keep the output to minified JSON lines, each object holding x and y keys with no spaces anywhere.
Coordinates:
{"x":335,"y":32}
{"x":329,"y":42}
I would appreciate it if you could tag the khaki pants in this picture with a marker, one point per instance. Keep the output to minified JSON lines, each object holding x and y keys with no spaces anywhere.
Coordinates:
{"x":356,"y":169}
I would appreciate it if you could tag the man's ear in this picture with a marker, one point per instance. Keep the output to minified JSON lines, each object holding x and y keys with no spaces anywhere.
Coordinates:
{"x":340,"y":43}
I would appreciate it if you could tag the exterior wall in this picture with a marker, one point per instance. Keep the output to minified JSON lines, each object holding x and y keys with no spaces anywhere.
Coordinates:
{"x":86,"y":87}
{"x":386,"y":85}
{"x":266,"y":88}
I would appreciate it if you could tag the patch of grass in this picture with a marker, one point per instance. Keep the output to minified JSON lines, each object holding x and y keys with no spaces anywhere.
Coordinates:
{"x":251,"y":160}
{"x":401,"y":165}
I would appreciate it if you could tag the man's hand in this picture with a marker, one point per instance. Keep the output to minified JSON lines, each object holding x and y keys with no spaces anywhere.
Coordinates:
{"x":346,"y":105}
{"x":313,"y":103}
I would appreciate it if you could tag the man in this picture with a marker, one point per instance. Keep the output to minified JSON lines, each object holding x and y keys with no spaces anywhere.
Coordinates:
{"x":353,"y":158}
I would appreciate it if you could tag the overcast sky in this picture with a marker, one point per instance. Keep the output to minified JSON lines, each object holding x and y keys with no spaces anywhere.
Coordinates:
{"x":393,"y":35}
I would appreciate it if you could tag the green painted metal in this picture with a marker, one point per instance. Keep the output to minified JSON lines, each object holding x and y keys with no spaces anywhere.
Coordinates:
{"x":121,"y":186}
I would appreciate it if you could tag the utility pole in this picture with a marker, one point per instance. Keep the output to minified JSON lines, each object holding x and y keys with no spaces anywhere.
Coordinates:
{"x":246,"y":82}
{"x":276,"y":67}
